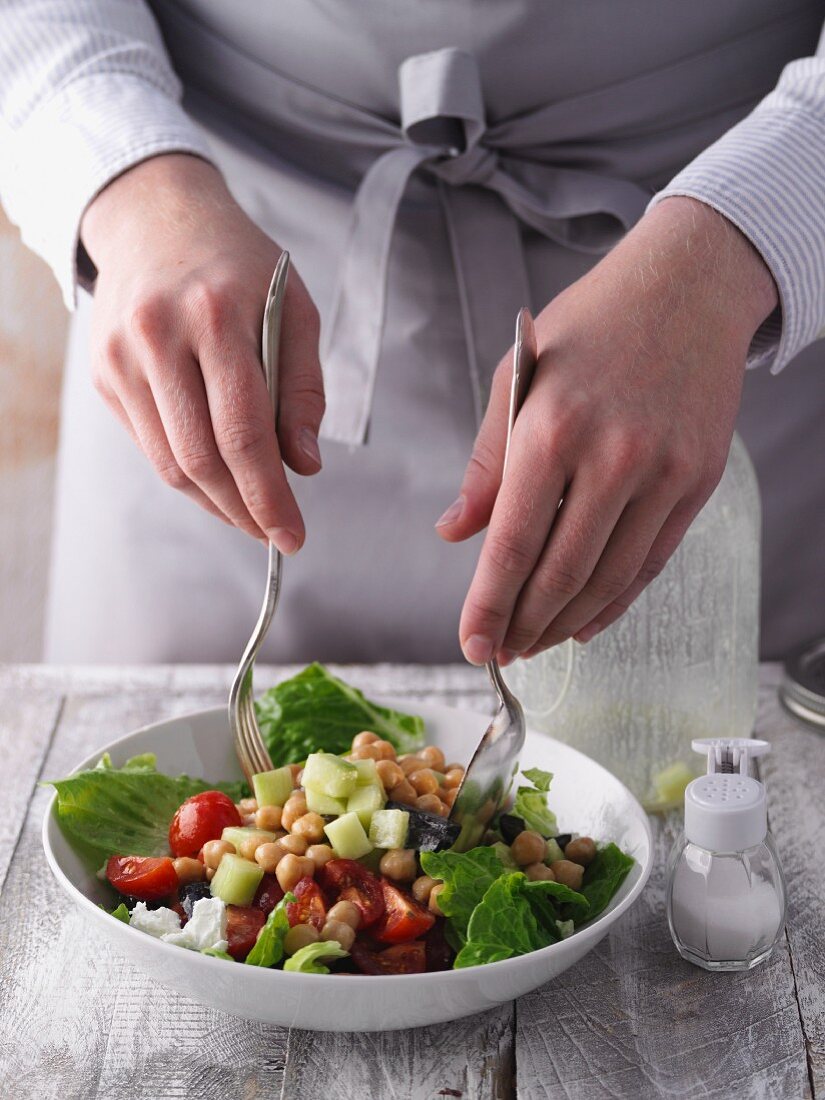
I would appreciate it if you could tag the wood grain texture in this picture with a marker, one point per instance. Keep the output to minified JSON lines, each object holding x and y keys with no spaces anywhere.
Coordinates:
{"x":631,"y":1020}
{"x":794,"y":775}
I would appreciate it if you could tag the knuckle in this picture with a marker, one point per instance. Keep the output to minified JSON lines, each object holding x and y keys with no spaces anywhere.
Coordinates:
{"x":199,"y":462}
{"x":211,"y":302}
{"x":150,"y":319}
{"x":605,"y":588}
{"x":651,"y":570}
{"x":239,"y":440}
{"x":553,"y":635}
{"x":483,"y":459}
{"x":482,"y":616}
{"x":559,"y":579}
{"x":172,"y":475}
{"x":509,"y":555}
{"x":679,"y":465}
{"x":306,"y":400}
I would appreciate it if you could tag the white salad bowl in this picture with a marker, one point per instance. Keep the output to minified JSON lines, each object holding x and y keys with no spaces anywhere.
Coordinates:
{"x":586,"y":798}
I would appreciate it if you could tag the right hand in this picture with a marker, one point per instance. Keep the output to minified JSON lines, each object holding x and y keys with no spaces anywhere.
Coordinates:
{"x":176,"y":330}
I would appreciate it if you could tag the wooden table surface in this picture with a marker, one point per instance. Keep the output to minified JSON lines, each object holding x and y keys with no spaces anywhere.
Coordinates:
{"x":632,"y":1020}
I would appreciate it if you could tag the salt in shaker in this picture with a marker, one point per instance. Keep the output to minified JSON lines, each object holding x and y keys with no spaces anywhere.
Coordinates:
{"x":726,"y":892}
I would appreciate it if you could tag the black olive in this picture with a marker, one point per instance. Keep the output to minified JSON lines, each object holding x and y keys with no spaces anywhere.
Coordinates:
{"x":427,"y":832}
{"x":563,"y":839}
{"x":192,"y":893}
{"x":510,"y":826}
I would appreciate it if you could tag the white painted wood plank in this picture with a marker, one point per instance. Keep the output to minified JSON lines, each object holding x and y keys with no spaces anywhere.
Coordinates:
{"x":794,"y":775}
{"x":470,"y":1058}
{"x":77,"y":1020}
{"x":27,"y":723}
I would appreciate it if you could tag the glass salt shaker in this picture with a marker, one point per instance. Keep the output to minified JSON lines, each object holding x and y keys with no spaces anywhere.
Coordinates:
{"x":726,"y":893}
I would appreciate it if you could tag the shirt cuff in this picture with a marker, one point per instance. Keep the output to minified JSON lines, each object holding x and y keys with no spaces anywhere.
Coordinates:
{"x":91,"y":131}
{"x":765,"y":176}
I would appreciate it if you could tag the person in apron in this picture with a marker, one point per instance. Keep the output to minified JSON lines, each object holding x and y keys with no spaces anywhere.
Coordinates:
{"x":429,"y":174}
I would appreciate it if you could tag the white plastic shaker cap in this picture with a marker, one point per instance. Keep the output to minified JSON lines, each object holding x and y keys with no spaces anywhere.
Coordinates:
{"x":725,"y":812}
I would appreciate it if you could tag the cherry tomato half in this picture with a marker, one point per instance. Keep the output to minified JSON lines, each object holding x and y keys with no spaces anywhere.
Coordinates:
{"x":268,"y":894}
{"x":243,"y":923}
{"x":146,"y":878}
{"x":310,"y":907}
{"x":404,"y":919}
{"x":200,"y":818}
{"x":346,"y":880}
{"x":403,"y":958}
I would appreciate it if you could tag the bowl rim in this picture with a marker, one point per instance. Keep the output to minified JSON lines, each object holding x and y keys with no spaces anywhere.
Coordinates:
{"x":585,"y":934}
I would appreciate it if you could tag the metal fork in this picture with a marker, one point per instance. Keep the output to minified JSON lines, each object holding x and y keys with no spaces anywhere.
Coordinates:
{"x":489,"y":776}
{"x":249,"y":744}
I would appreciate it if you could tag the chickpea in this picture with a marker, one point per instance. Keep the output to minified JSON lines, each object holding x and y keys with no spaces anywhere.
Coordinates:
{"x":528,"y":847}
{"x":433,"y":901}
{"x":188,"y":870}
{"x":247,"y":806}
{"x":568,"y":873}
{"x":302,"y":935}
{"x":421,"y":888}
{"x":539,"y":872}
{"x":389,"y":773}
{"x":385,"y":750}
{"x":431,"y":804}
{"x":448,"y":797}
{"x":291,"y":869}
{"x":299,"y":778}
{"x":210,"y":873}
{"x":411,"y":764}
{"x":296,"y":770}
{"x":320,"y":854}
{"x":249,"y":846}
{"x":340,"y":932}
{"x":424,"y":781}
{"x":345,"y":912}
{"x":404,"y":793}
{"x":214,"y":851}
{"x":364,"y":738}
{"x":294,"y":843}
{"x":433,"y":757}
{"x":248,"y":820}
{"x":269,"y":818}
{"x":582,"y":850}
{"x":453,"y":767}
{"x":295,"y":807}
{"x":399,"y":864}
{"x":453,"y":777}
{"x":310,"y":827}
{"x":269,"y":856}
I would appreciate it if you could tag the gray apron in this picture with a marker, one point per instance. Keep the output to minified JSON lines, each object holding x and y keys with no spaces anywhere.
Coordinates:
{"x":430,"y":169}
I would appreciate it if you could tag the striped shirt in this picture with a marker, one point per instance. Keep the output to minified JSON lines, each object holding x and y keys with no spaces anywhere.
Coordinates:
{"x":87,"y":91}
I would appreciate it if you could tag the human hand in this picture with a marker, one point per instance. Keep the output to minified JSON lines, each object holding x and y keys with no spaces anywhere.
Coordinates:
{"x":628,"y":424}
{"x":176,"y":331}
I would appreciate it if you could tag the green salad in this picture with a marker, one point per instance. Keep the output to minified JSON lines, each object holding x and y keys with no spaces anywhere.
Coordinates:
{"x":340,"y":858}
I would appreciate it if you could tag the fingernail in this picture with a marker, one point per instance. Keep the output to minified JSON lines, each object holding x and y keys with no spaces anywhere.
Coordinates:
{"x":588,"y":632}
{"x":452,"y":513}
{"x":284,"y":539}
{"x":308,"y":442}
{"x":478,"y":649}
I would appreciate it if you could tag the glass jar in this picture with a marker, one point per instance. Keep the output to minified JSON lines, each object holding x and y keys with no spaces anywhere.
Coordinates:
{"x":726,"y":910}
{"x":681,"y":663}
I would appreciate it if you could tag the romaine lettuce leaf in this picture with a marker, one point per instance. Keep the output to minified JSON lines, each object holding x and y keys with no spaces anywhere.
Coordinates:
{"x":601,"y":880}
{"x":216,"y":954}
{"x":531,"y":803}
{"x":317,"y":712}
{"x":121,"y":913}
{"x":466,"y":876}
{"x":268,"y":949}
{"x":108,"y":811}
{"x":306,"y":961}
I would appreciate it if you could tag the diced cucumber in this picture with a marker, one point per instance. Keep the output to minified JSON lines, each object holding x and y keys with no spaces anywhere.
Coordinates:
{"x":273,"y":788}
{"x":347,"y":837}
{"x":367,"y":772}
{"x":329,"y":774}
{"x":318,"y":803}
{"x":235,"y":834}
{"x":503,"y":852}
{"x":236,"y":880}
{"x":389,"y":828}
{"x":553,"y":852}
{"x":364,"y":801}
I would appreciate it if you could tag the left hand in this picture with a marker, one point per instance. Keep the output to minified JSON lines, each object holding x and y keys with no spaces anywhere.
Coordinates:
{"x":622,"y":438}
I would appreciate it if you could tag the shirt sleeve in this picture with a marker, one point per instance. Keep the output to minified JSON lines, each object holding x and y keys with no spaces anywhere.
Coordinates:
{"x":86,"y":91}
{"x":766,"y":176}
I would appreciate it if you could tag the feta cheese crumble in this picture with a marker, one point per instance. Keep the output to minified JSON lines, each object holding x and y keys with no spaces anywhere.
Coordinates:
{"x":155,"y":922}
{"x":205,"y":929}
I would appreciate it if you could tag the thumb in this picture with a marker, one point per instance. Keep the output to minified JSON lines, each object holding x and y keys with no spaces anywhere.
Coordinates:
{"x":471,"y":512}
{"x":300,"y":385}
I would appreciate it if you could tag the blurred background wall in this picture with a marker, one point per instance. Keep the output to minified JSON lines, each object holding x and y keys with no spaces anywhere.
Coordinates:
{"x":32,"y":339}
